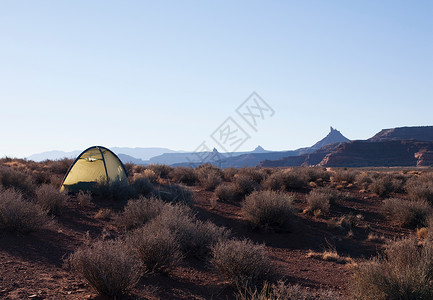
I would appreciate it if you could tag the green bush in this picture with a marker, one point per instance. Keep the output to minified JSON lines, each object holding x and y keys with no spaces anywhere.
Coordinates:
{"x":18,"y":215}
{"x":108,"y":267}
{"x":268,"y":208}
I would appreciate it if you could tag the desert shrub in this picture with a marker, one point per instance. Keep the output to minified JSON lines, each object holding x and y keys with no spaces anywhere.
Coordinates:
{"x":318,"y":200}
{"x":282,"y":290}
{"x":295,"y":179}
{"x":364,"y":180}
{"x":84,"y":198}
{"x":129,"y":168}
{"x":257,"y":175}
{"x":316,"y":173}
{"x":268,"y":208}
{"x":407,"y":213}
{"x":138,"y":212}
{"x":420,"y":190}
{"x":162,"y":171}
{"x":174,"y":193}
{"x":18,"y":215}
{"x":230,"y":173}
{"x":208,"y":168}
{"x":405,"y":271}
{"x":150,"y":175}
{"x":241,"y":262}
{"x":114,"y":191}
{"x":50,"y":199}
{"x":184,"y":175}
{"x":385,"y":185}
{"x":10,"y":178}
{"x":156,"y":247}
{"x":41,"y":177}
{"x":142,"y":185}
{"x":244,"y":186}
{"x":274,"y":182}
{"x":194,"y":237}
{"x":226,"y":192}
{"x":108,"y":267}
{"x":60,"y":166}
{"x":343,"y":175}
{"x":210,"y":180}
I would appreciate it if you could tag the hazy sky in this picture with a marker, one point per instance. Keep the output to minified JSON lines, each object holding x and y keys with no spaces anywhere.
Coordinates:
{"x":169,"y":73}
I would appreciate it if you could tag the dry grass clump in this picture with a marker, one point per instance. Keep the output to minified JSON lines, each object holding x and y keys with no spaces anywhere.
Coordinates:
{"x":51,"y":199}
{"x":138,"y":212}
{"x":142,"y":185}
{"x":19,"y":215}
{"x":60,"y":166}
{"x":242,"y":263}
{"x":84,"y":198}
{"x":195,"y":238}
{"x":282,"y":290}
{"x":268,"y":208}
{"x":295,"y":179}
{"x":209,"y":176}
{"x":114,"y":191}
{"x":226,"y":192}
{"x":404,"y":271}
{"x":229,"y":173}
{"x":161,"y":171}
{"x":317,"y":173}
{"x":107,"y":266}
{"x":329,"y":255}
{"x":420,"y":188}
{"x":156,"y":247}
{"x":321,"y":200}
{"x":184,"y":175}
{"x":345,"y":175}
{"x":257,"y":175}
{"x":10,"y":178}
{"x":244,"y":185}
{"x":173,"y":193}
{"x":384,"y":185}
{"x":407,"y":213}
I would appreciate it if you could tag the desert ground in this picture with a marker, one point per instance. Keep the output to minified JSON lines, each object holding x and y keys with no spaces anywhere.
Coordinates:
{"x":207,"y":233}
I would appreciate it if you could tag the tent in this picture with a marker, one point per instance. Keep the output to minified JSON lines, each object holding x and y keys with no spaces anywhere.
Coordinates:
{"x":93,"y":165}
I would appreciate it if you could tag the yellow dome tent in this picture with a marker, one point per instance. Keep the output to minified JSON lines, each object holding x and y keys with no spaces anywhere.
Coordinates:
{"x":93,"y":165}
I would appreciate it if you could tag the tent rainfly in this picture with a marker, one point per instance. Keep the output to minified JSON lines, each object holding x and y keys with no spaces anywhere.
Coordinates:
{"x":93,"y":165}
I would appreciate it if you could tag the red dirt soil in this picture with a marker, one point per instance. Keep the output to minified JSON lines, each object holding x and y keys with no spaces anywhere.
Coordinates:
{"x":32,"y":266}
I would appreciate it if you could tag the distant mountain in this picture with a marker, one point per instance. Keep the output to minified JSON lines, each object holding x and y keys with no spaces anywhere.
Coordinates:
{"x":253,"y":159}
{"x":333,"y":137}
{"x":53,"y":155}
{"x":141,"y":154}
{"x":390,"y":153}
{"x":404,"y":146}
{"x":417,"y":133}
{"x":130,"y":159}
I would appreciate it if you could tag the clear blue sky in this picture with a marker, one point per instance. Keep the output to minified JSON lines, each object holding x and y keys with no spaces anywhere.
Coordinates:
{"x":168,"y":73}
